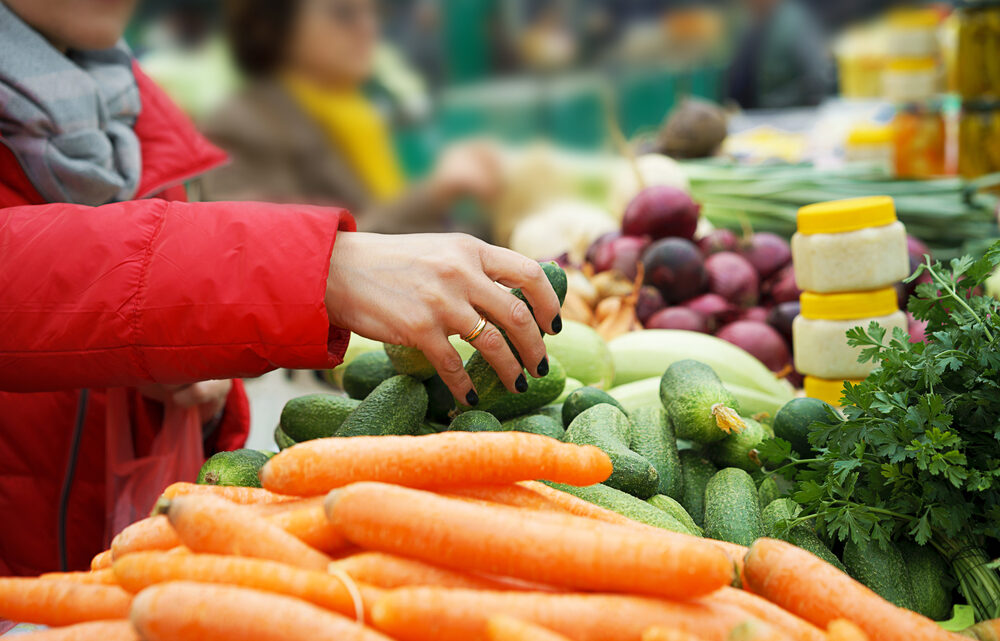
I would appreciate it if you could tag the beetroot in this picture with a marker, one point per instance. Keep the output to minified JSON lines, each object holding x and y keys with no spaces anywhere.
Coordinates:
{"x":678,"y":318}
{"x":782,"y":288}
{"x":756,"y":314}
{"x":732,"y":277}
{"x":620,"y":254}
{"x":649,"y":302}
{"x":661,"y":212}
{"x":715,"y":308}
{"x":720,"y":240}
{"x":916,"y":248}
{"x":767,"y":253}
{"x":916,"y":329}
{"x":781,"y":317}
{"x":675,"y":267}
{"x":761,"y":340}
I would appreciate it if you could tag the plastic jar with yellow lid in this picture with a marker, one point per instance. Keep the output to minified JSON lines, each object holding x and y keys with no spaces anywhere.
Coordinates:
{"x":913,"y":32}
{"x":870,"y":143}
{"x":826,"y":390}
{"x":911,"y":79}
{"x":819,"y":333}
{"x":849,"y":245}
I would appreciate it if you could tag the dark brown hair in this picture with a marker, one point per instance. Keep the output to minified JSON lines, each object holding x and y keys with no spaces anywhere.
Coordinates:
{"x":259,"y":32}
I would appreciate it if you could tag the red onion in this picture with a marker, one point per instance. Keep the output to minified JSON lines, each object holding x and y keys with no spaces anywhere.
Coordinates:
{"x":720,"y":240}
{"x":649,"y":302}
{"x":621,"y":254}
{"x":756,"y":314}
{"x":761,"y":340}
{"x":781,"y":317}
{"x":782,"y":288}
{"x":678,"y":318}
{"x":599,"y":242}
{"x":916,"y":248}
{"x":916,"y":329}
{"x":660,"y":212}
{"x":732,"y":277}
{"x":675,"y":267}
{"x":713,"y":307}
{"x":767,"y":253}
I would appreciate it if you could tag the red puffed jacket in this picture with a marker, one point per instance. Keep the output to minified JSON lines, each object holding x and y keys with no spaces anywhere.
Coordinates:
{"x":154,"y":290}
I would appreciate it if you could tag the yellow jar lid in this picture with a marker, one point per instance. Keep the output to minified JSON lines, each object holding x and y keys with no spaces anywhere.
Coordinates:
{"x":839,"y":216}
{"x":870,"y":135}
{"x":912,"y":65}
{"x":914,"y":19}
{"x":825,"y":390}
{"x":849,"y":305}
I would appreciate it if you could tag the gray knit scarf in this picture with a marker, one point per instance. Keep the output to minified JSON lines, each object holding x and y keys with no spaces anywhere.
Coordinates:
{"x":69,"y":117}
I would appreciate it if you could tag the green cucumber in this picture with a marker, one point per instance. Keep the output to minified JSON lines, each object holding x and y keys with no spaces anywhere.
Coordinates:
{"x":735,"y":449}
{"x":315,"y":416}
{"x":780,"y":510}
{"x":553,"y":411}
{"x":583,"y":399}
{"x":676,"y":510}
{"x":793,"y":420}
{"x":541,"y":392}
{"x":700,"y":407}
{"x":626,"y":505}
{"x":768,"y":491}
{"x":409,"y":361}
{"x":930,"y":580}
{"x":653,"y":437}
{"x":397,"y":406}
{"x":536,"y":424}
{"x":696,"y":471}
{"x":606,"y":427}
{"x":365,"y":372}
{"x":475,"y":421}
{"x":281,"y":439}
{"x":239,"y":468}
{"x":881,"y":569}
{"x":732,"y":512}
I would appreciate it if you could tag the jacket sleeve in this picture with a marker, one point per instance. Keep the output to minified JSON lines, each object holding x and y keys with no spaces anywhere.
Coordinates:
{"x":166,"y":292}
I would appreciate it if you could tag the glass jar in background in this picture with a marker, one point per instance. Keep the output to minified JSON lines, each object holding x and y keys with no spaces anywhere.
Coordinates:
{"x":911,"y":79}
{"x":979,"y":139}
{"x":819,"y":333}
{"x":869,"y":143}
{"x":977,"y":64}
{"x":849,"y":245}
{"x":912,"y":32}
{"x":920,"y":135}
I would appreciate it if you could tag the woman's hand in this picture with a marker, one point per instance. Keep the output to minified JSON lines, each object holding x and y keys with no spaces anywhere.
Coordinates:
{"x":416,"y":290}
{"x":470,"y":169}
{"x":208,"y":396}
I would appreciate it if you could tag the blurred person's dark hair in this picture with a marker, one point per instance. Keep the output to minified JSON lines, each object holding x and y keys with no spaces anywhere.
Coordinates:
{"x":259,"y":32}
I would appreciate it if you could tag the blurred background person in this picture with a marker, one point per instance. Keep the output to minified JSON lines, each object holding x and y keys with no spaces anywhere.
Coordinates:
{"x":782,"y":60}
{"x":303,"y":129}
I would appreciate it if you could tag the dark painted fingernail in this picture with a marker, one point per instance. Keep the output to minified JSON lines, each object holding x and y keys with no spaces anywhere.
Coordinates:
{"x":472,"y":399}
{"x":557,"y":324}
{"x":521,"y":384}
{"x":543,"y":367}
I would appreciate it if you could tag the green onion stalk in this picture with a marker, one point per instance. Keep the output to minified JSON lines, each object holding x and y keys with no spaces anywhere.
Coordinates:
{"x":978,"y":580}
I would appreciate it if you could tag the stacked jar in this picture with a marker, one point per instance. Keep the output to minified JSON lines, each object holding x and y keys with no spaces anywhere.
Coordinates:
{"x":978,"y":84}
{"x":848,"y":254}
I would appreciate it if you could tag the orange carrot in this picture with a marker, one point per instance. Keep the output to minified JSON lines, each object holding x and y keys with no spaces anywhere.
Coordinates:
{"x":440,"y":614}
{"x":184,"y":611}
{"x":116,"y":630}
{"x":549,"y":548}
{"x":758,"y":631}
{"x":211,"y":525}
{"x":137,"y":572}
{"x":668,"y":634}
{"x":766,"y":611}
{"x":272,"y":509}
{"x":579,"y":507}
{"x":101,"y":561}
{"x":241,"y":495}
{"x":508,"y":629}
{"x":984,"y":631}
{"x":55,"y":603}
{"x":449,"y":459}
{"x":843,"y":630}
{"x":105,"y":576}
{"x":811,"y":588}
{"x":310,"y":526}
{"x":391,"y":571}
{"x":152,"y":533}
{"x":513,"y":495}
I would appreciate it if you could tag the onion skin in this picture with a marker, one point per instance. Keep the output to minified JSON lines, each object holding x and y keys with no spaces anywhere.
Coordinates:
{"x":720,"y":240}
{"x":767,"y":252}
{"x":733,"y":277}
{"x":661,"y":211}
{"x":782,"y":288}
{"x":715,"y":308}
{"x":675,"y":267}
{"x":678,"y":318}
{"x":756,"y":314}
{"x":761,"y":340}
{"x":620,"y":254}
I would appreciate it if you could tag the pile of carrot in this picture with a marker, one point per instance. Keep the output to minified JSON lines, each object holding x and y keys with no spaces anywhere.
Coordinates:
{"x":461,"y":543}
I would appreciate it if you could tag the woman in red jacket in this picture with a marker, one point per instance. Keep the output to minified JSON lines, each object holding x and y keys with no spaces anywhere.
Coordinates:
{"x":117,"y":284}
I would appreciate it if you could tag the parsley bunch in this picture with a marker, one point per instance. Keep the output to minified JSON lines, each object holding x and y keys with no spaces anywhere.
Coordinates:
{"x":917,"y":454}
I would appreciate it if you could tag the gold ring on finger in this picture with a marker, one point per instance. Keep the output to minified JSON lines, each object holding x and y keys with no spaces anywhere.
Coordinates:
{"x":476,"y":331}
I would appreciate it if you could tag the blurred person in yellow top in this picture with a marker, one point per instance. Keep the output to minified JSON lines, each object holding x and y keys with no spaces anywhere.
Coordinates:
{"x":302,"y":130}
